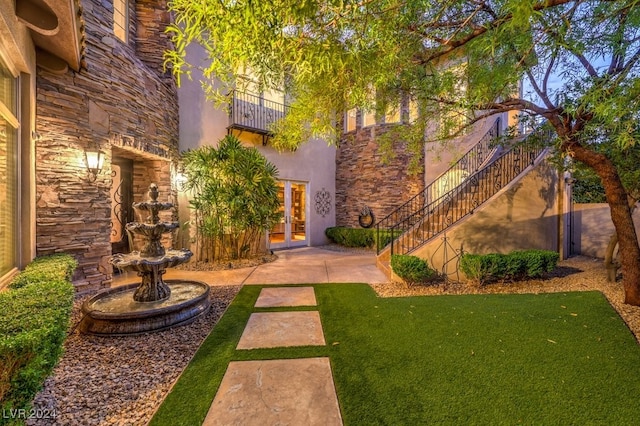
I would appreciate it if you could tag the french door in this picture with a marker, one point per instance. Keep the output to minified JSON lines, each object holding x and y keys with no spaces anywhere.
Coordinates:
{"x":292,"y":229}
{"x":121,"y":203}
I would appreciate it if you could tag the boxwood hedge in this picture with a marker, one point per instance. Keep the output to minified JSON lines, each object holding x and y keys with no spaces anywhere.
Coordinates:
{"x":516,"y":265}
{"x":357,"y":237}
{"x":34,"y":318}
{"x":412,"y":269}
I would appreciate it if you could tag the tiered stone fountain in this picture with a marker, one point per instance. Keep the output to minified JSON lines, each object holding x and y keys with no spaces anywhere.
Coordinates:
{"x":154,"y":304}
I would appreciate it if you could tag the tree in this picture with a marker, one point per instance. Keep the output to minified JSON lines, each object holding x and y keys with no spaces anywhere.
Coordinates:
{"x":333,"y":55}
{"x":588,"y":189}
{"x":235,"y":198}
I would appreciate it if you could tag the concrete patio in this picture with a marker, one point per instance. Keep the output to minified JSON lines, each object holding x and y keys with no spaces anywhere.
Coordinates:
{"x":306,"y":265}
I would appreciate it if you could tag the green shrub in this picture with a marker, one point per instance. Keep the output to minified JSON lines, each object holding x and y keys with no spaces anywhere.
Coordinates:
{"x":516,"y":265}
{"x":411,"y":269}
{"x":47,"y":268}
{"x":351,"y":237}
{"x":358,"y":237}
{"x":383,"y":239}
{"x":34,"y":319}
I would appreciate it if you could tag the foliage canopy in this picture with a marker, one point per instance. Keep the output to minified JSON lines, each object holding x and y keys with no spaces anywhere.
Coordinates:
{"x":334,"y":55}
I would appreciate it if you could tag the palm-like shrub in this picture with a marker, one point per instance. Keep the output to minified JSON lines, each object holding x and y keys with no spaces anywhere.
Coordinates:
{"x":235,"y":198}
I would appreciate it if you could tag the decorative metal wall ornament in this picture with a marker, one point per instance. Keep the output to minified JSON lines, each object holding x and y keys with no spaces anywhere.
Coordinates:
{"x":322,"y":201}
{"x":449,"y":255}
{"x":366,"y":219}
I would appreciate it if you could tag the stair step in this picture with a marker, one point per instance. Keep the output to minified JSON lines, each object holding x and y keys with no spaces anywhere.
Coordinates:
{"x":385,"y":268}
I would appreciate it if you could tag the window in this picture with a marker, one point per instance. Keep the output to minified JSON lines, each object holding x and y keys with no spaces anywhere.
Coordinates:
{"x":368,"y":118}
{"x":453,"y":121}
{"x":413,"y":111}
{"x":255,"y":107}
{"x":350,"y":120}
{"x":9,"y":124}
{"x":121,"y":19}
{"x":247,"y":83}
{"x":392,"y":115}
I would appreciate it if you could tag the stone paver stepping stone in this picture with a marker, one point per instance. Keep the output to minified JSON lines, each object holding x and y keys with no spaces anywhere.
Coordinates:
{"x":279,"y":329}
{"x":286,"y":296}
{"x":276,"y":392}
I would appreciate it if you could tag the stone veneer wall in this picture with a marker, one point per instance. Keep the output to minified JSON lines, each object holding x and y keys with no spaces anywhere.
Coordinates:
{"x":115,"y":100}
{"x":151,"y":39}
{"x":362,"y":179}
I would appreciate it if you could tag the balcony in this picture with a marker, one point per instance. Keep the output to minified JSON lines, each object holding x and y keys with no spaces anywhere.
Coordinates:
{"x":254,"y":114}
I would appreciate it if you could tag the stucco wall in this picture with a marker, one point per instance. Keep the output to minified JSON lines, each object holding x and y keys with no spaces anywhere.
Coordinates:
{"x":202,"y":123}
{"x":115,"y":100}
{"x":522,"y":216}
{"x":592,"y":228}
{"x":440,"y":155}
{"x":16,"y":40}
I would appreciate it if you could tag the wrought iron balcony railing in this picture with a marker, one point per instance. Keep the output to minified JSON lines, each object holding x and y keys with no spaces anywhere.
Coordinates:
{"x":254,"y":113}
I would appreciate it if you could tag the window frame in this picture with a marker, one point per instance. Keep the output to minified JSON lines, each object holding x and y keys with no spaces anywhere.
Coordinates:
{"x":11,"y":115}
{"x":121,"y":29}
{"x":350,"y":116}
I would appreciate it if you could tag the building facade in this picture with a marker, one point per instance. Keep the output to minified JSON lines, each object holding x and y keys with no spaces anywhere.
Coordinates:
{"x":99,"y":89}
{"x":306,"y":176}
{"x":86,"y":79}
{"x":32,"y":35}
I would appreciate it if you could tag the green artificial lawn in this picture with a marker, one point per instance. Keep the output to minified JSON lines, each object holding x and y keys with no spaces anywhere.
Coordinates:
{"x":561,"y":358}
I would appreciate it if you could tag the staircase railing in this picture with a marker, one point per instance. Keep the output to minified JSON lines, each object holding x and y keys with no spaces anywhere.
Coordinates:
{"x":433,"y":218}
{"x":466,"y":165}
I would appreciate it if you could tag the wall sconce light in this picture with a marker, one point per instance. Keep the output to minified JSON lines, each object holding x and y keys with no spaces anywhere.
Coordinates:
{"x":180,"y":181}
{"x":94,"y":159}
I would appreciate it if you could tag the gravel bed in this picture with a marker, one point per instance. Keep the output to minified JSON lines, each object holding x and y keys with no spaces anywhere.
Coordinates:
{"x":221,"y":265}
{"x":122,"y":380}
{"x":578,"y":273}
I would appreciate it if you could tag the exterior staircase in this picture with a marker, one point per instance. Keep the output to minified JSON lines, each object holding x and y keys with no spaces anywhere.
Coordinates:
{"x":472,"y":181}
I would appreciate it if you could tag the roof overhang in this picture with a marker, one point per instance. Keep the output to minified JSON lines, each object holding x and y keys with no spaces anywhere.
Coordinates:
{"x":57,"y":31}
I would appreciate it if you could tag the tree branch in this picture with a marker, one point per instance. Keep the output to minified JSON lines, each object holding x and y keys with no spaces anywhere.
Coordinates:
{"x":541,"y":93}
{"x":451,"y":45}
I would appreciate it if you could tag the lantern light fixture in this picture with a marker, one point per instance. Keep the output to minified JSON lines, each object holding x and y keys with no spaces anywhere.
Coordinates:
{"x":94,"y":160}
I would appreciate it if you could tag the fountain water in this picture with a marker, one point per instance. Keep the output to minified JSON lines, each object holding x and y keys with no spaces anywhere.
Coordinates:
{"x":153,"y":304}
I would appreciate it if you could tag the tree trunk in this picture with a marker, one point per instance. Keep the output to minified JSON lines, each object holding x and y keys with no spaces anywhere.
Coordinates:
{"x":622,"y":220}
{"x":610,"y":263}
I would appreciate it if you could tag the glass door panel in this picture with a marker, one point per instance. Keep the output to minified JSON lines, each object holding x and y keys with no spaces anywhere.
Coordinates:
{"x":298,"y":213}
{"x":292,"y":229}
{"x":277,"y":233}
{"x":121,"y":203}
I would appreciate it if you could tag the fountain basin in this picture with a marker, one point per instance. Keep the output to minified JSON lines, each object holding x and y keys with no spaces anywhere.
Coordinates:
{"x":139,"y":262}
{"x":114,"y":312}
